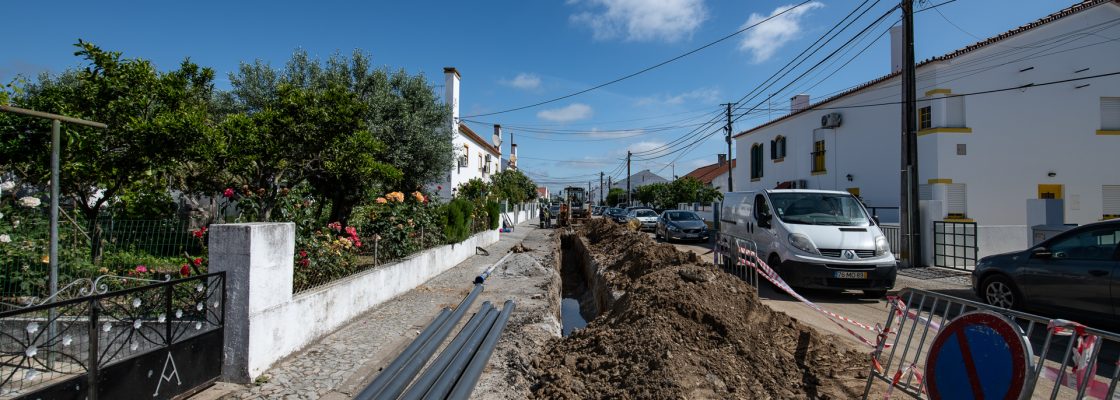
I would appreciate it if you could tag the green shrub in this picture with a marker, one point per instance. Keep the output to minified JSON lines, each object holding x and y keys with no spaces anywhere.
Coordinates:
{"x":458,"y":217}
{"x":494,"y":212}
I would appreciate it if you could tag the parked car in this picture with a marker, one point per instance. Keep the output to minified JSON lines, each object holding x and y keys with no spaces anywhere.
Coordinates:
{"x":554,"y":214}
{"x":1073,"y":275}
{"x":813,"y":238}
{"x":597,"y":210}
{"x":615,"y":214}
{"x":647,"y":218}
{"x":683,"y":225}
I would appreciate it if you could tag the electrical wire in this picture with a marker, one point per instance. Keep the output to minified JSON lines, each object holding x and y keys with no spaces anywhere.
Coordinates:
{"x":644,"y":70}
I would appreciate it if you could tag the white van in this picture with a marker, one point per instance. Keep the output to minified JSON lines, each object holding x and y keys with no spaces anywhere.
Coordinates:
{"x":813,"y":238}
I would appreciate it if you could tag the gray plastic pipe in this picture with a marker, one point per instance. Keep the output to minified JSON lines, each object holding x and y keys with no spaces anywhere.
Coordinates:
{"x":486,"y":274}
{"x":396,"y":386}
{"x":389,"y":372}
{"x":469,"y":380}
{"x":454,"y":370}
{"x":429,"y":376}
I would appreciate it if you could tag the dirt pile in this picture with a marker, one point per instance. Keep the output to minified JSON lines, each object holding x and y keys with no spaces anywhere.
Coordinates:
{"x":686,"y":330}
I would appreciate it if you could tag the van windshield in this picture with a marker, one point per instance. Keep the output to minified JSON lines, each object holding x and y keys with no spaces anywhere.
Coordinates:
{"x":819,"y":209}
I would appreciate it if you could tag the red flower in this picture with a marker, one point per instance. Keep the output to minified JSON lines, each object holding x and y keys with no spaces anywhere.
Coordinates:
{"x":199,"y":233}
{"x":198,"y":261}
{"x":351,"y":231}
{"x":228,"y":193}
{"x":185,"y":270}
{"x":335,"y":226}
{"x":440,"y":187}
{"x":303,"y":254}
{"x":304,"y":262}
{"x":357,"y":243}
{"x":141,"y":269}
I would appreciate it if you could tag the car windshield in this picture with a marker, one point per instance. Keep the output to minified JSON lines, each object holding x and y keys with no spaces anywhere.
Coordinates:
{"x":645,"y":213}
{"x":614,"y":211}
{"x":819,"y":209}
{"x":682,"y":216}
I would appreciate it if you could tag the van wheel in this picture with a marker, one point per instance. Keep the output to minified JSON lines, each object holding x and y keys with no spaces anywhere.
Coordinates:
{"x":775,"y":264}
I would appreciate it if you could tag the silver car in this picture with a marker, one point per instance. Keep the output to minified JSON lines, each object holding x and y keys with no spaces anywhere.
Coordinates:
{"x":646,"y":217}
{"x":681,"y":225}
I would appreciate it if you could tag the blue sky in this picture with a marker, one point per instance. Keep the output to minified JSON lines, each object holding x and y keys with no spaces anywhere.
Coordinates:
{"x":514,"y":53}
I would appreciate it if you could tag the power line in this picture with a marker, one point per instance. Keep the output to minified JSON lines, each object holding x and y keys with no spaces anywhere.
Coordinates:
{"x":644,"y":70}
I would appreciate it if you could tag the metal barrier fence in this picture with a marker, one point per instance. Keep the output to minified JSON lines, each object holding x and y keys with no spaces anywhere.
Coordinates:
{"x":736,"y":256}
{"x":1065,"y":359}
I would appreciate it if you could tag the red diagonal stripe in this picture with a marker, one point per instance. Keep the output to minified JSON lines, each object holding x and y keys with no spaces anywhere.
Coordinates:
{"x":969,"y":365}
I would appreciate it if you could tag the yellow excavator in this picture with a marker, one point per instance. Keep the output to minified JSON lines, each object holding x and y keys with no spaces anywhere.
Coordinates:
{"x":574,"y":207}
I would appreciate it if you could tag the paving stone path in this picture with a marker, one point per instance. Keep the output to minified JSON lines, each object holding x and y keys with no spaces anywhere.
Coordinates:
{"x":339,"y":365}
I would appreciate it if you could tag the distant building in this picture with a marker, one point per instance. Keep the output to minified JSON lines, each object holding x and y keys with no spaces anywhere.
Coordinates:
{"x":543,"y":193}
{"x":474,"y":156}
{"x":714,"y":175}
{"x":639,"y":179}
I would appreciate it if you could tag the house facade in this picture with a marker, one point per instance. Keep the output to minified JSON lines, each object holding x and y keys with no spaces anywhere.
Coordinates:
{"x":474,"y":156}
{"x":1000,"y":122}
{"x":639,"y":179}
{"x":714,"y":175}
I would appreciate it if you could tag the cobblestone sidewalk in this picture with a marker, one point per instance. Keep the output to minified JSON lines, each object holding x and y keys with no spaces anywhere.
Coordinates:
{"x":339,"y":365}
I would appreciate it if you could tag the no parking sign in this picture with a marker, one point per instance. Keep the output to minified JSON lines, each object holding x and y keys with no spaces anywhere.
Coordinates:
{"x":979,"y":355}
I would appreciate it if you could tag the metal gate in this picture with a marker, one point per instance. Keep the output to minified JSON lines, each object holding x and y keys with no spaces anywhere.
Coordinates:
{"x":954,"y":244}
{"x":159,"y":340}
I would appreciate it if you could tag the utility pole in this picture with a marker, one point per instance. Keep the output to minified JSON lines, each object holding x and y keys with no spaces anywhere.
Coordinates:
{"x":908,"y":204}
{"x":730,"y":184}
{"x":609,"y":184}
{"x":602,"y":196}
{"x":628,"y":199}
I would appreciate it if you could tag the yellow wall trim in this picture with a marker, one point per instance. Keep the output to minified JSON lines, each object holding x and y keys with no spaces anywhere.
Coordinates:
{"x":815,"y":173}
{"x":1108,"y":132}
{"x":931,"y":131}
{"x":959,"y":220}
{"x":935,"y":181}
{"x":777,"y":160}
{"x":756,"y":179}
{"x":938,"y":91}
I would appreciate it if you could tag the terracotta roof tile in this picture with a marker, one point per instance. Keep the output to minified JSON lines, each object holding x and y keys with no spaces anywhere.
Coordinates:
{"x":708,"y":173}
{"x":1074,"y":9}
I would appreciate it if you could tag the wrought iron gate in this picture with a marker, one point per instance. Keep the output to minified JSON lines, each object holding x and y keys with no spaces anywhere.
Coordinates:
{"x":954,"y":244}
{"x":156,"y":341}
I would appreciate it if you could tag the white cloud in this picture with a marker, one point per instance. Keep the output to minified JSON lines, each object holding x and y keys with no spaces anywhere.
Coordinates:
{"x":608,"y":134}
{"x":644,"y":146}
{"x":524,"y":81}
{"x":573,"y":112}
{"x":642,"y":20}
{"x":764,"y":40}
{"x":702,"y":96}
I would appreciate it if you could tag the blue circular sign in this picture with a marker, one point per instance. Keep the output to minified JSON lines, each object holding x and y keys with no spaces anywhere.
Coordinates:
{"x":979,"y":355}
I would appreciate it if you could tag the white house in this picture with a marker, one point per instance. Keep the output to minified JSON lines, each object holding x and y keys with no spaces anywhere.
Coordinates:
{"x":981,"y":154}
{"x":714,"y":175}
{"x":639,"y":179}
{"x":474,"y":156}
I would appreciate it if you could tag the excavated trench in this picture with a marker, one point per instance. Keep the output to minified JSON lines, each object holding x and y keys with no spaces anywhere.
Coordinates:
{"x":583,"y":292}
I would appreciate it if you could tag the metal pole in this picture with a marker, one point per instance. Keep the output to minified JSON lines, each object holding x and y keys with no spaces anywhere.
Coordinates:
{"x":55,"y":128}
{"x":629,"y":201}
{"x":910,"y":216}
{"x":730,"y":182}
{"x":602,"y":195}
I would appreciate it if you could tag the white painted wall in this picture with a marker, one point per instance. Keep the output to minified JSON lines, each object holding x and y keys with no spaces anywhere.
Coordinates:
{"x":464,"y":146}
{"x":265,"y":322}
{"x":1017,"y":136}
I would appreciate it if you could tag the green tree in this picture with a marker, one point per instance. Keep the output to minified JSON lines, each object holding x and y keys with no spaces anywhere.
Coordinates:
{"x":154,"y":118}
{"x":476,"y":190}
{"x":690,"y":190}
{"x":514,"y":186}
{"x":615,"y":196}
{"x":654,"y":194}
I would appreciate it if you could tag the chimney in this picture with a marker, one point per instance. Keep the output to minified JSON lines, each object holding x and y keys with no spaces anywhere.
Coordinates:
{"x":451,"y":95}
{"x":896,"y":48}
{"x":798,"y":103}
{"x":497,"y":138}
{"x":722,"y":159}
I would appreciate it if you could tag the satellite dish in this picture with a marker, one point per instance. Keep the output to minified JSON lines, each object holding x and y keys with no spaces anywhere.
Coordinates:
{"x":497,"y":139}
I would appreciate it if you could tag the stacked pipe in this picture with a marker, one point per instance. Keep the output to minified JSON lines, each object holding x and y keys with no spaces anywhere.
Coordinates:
{"x":455,"y":372}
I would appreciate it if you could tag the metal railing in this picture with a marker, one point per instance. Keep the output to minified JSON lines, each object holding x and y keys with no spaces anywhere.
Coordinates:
{"x":894,"y":237}
{"x":735,"y":256}
{"x":1066,"y":359}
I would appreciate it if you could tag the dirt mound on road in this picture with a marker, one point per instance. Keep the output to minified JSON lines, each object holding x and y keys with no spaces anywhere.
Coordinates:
{"x":686,"y":330}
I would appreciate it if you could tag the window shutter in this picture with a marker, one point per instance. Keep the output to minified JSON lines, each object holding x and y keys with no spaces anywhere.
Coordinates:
{"x":958,"y":199}
{"x":773,"y":149}
{"x":782,"y":153}
{"x":1110,"y":113}
{"x":1111,"y":203}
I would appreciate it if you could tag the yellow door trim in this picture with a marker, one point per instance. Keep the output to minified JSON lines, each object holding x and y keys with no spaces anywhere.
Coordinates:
{"x":1050,"y":188}
{"x":935,"y":181}
{"x":938,"y":91}
{"x":931,"y":131}
{"x":1108,"y":132}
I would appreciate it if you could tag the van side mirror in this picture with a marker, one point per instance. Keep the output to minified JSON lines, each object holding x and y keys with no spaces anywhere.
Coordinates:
{"x":1042,"y":253}
{"x":764,"y":220}
{"x":875,"y":218}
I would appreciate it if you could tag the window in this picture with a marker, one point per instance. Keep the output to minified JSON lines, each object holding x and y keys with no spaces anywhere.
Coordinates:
{"x":1111,"y":201}
{"x":756,"y":161}
{"x":925,"y":117}
{"x":1110,"y":113}
{"x":818,"y":156}
{"x":1090,"y":244}
{"x":962,"y":149}
{"x":778,"y":148}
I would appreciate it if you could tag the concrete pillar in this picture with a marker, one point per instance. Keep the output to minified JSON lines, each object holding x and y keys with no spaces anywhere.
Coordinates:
{"x":258,"y":261}
{"x":931,"y":210}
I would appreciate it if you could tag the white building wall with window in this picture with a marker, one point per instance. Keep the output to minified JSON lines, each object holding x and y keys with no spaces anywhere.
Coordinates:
{"x":474,"y":156}
{"x":983,"y":155}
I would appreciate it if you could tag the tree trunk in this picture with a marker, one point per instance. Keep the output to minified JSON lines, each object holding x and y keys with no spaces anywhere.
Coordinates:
{"x":341,"y":209}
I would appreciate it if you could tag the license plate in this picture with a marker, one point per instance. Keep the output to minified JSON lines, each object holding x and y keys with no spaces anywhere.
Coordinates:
{"x":851,"y":275}
{"x":692,"y":235}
